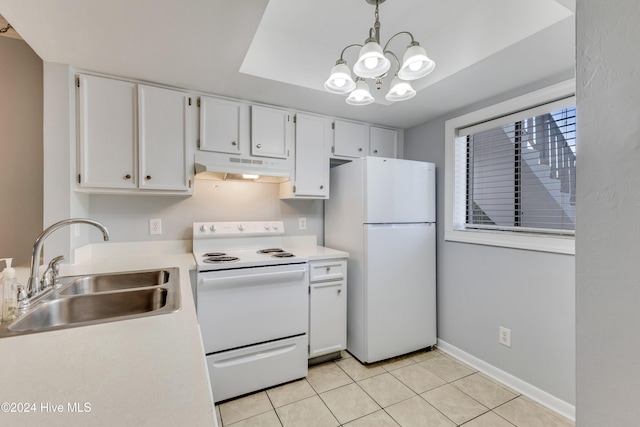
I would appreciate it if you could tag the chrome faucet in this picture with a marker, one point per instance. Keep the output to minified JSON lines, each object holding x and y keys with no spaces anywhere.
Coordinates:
{"x":33,"y":285}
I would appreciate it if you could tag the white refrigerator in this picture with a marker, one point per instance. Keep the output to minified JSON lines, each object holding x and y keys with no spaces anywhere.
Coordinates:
{"x":382,"y":211}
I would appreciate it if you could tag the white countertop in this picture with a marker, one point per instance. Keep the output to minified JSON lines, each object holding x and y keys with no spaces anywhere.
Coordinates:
{"x":306,"y":246}
{"x":142,"y":372}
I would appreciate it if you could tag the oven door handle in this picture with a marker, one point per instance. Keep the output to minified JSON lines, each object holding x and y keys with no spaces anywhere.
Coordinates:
{"x":251,"y":279}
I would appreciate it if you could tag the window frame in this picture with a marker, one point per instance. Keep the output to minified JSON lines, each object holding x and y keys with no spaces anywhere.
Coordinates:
{"x":563,"y":244}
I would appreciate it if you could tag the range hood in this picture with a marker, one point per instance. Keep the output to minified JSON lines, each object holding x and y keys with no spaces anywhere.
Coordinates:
{"x":222,"y":167}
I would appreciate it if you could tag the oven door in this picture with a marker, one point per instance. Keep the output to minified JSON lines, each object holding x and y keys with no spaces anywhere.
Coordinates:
{"x":246,"y":306}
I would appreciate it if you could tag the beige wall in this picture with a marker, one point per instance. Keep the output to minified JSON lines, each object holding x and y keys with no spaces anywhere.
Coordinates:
{"x":20,"y":149}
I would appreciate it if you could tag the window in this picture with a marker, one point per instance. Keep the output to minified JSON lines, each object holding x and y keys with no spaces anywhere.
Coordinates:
{"x":511,"y":173}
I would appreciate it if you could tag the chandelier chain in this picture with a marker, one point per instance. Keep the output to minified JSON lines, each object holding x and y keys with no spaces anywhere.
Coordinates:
{"x":5,"y":29}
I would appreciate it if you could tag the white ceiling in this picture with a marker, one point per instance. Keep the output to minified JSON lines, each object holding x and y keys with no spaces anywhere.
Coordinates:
{"x":280,"y":52}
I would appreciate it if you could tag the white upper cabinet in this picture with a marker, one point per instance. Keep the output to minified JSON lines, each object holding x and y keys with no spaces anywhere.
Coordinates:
{"x":269,"y":132}
{"x":311,"y":168}
{"x":383,"y":142}
{"x":163,"y":134}
{"x":221,"y":125}
{"x":107,"y":133}
{"x":350,"y":139}
{"x":133,"y":138}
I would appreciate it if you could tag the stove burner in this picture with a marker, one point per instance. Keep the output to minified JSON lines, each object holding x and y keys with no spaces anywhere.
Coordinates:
{"x":220,"y":259}
{"x":270,"y":251}
{"x":213,"y":254}
{"x":283,"y":255}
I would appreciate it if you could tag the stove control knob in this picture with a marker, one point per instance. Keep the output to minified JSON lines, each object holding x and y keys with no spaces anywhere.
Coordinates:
{"x":267,"y":227}
{"x":275,"y":227}
{"x":241,"y":227}
{"x":203,"y":228}
{"x":213,"y":227}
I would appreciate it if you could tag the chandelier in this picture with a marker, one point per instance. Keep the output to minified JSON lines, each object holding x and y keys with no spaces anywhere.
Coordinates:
{"x":373,"y":64}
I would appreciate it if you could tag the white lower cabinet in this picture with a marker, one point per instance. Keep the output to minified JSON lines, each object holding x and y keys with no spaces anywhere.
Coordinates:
{"x":327,"y":307}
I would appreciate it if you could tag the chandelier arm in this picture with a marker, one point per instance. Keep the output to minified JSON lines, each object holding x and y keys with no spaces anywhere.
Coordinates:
{"x":397,"y":34}
{"x":394,"y":57}
{"x":344,"y":50}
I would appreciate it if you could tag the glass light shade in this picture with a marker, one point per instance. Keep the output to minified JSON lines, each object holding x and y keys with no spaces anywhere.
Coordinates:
{"x":340,"y":80}
{"x":415,"y":63}
{"x":400,"y":90}
{"x":371,"y":61}
{"x":361,"y":94}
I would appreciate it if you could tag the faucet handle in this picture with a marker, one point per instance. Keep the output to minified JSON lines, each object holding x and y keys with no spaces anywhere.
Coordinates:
{"x":50,"y":275}
{"x":54,"y":265}
{"x":23,"y":299}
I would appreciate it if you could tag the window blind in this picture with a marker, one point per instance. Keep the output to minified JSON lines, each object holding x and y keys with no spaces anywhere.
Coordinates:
{"x":520,"y":173}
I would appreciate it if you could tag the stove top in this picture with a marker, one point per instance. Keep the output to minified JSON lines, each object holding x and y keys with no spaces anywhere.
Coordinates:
{"x":231,"y":245}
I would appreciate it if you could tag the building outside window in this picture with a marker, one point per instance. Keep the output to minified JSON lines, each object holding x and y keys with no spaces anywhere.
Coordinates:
{"x":511,"y":173}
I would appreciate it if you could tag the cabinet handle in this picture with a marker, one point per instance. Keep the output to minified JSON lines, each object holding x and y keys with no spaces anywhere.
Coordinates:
{"x":321,"y":187}
{"x":127,"y":176}
{"x":234,"y":143}
{"x":375,"y":151}
{"x":359,"y":149}
{"x":339,"y":291}
{"x":148,"y":177}
{"x":259,"y":146}
{"x":328,"y":269}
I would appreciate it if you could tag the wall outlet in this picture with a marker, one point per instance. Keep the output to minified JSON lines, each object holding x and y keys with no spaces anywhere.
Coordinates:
{"x":155,"y":226}
{"x":302,"y":223}
{"x":505,"y":336}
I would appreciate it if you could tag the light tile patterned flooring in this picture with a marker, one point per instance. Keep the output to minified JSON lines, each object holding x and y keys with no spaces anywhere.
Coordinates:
{"x":428,"y":388}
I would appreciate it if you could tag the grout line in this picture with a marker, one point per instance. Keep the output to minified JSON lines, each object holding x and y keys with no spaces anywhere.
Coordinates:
{"x":385,"y":370}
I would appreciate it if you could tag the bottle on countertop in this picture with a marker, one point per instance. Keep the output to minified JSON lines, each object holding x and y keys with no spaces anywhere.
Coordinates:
{"x":8,"y":291}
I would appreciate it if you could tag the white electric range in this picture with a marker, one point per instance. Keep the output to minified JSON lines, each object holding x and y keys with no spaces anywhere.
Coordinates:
{"x":252,"y":303}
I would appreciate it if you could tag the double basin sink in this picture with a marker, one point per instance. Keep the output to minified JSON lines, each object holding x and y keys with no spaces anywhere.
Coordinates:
{"x":99,"y":298}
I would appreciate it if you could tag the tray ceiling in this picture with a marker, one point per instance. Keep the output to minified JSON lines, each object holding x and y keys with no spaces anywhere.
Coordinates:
{"x":280,"y":52}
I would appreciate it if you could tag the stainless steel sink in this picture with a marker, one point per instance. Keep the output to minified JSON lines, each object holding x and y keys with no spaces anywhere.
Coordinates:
{"x":99,"y":298}
{"x":113,"y":282}
{"x":87,"y":309}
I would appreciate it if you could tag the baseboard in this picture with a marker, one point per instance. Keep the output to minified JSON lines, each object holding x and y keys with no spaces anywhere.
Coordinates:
{"x":540,"y":396}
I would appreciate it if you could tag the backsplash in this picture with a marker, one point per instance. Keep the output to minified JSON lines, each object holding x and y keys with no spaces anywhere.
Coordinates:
{"x":127,"y":217}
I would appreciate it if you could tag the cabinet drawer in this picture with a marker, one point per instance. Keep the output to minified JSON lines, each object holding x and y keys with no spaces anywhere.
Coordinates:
{"x":327,"y":270}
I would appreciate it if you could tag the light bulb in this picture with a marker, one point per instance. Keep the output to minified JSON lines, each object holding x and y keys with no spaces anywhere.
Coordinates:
{"x":339,"y":82}
{"x":401,"y":90}
{"x":415,"y":66}
{"x":371,"y":63}
{"x":358,"y":96}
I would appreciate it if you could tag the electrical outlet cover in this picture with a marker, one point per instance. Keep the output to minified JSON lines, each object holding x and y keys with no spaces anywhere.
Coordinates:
{"x":155,"y":226}
{"x":505,"y":336}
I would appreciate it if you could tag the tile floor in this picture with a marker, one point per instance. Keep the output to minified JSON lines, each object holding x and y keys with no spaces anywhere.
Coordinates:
{"x":427,"y":388}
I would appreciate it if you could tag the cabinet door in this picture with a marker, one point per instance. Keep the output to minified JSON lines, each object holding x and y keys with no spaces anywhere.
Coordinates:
{"x":269,"y":131}
{"x":327,"y":318}
{"x":220,"y":122}
{"x":384,"y":142}
{"x":107,"y":133}
{"x":163,"y":132}
{"x":350,"y":139}
{"x":313,"y":136}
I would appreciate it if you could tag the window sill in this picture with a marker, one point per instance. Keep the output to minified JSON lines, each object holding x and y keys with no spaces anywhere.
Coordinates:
{"x":553,"y":244}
